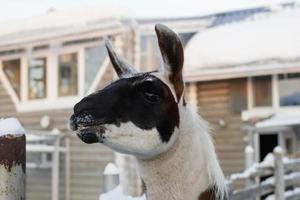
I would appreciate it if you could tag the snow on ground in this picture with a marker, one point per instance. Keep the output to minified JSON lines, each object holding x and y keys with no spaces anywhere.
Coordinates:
{"x":11,"y":126}
{"x":117,"y":194}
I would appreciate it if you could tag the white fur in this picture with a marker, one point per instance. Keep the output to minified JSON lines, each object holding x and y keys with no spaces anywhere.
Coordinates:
{"x":189,"y":168}
{"x":130,"y":139}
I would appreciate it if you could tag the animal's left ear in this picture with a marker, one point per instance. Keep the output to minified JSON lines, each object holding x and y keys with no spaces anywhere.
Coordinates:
{"x":172,"y":53}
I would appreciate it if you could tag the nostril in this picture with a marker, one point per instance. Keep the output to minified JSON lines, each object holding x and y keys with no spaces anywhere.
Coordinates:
{"x":76,"y":109}
{"x":72,"y":123}
{"x":84,"y":105}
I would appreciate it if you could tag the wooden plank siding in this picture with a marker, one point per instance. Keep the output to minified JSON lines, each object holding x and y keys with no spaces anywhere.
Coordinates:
{"x":214,"y":101}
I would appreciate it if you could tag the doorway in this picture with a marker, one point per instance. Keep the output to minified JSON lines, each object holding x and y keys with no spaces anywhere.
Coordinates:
{"x":267,"y":143}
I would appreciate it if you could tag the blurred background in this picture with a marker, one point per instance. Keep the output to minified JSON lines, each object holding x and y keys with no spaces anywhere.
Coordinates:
{"x":242,"y":68}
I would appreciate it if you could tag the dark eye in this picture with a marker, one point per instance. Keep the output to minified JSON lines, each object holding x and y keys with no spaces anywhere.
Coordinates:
{"x":151,"y":97}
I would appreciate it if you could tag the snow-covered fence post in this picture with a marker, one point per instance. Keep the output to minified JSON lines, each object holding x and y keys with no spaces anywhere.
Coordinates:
{"x":110,"y":177}
{"x":12,"y":160}
{"x":249,"y":161}
{"x":279,"y":174}
{"x":249,"y":156}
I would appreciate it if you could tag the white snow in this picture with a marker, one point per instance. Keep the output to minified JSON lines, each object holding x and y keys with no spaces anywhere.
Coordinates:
{"x":117,"y":194}
{"x":281,"y":119}
{"x":272,"y":35}
{"x":11,"y":126}
{"x":267,"y":162}
{"x":111,"y":169}
{"x":287,"y":194}
{"x":249,"y":149}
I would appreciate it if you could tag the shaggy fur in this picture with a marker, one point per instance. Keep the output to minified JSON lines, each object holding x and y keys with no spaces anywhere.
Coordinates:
{"x":189,"y":168}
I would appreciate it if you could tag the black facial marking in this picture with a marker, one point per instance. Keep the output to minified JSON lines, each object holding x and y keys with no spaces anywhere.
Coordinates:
{"x":142,"y":99}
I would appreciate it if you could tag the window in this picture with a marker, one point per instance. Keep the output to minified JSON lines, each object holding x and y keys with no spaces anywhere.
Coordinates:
{"x":150,"y":54}
{"x":238,"y":95}
{"x":262,"y":91}
{"x":11,"y":69}
{"x":289,"y":89}
{"x":94,"y":59}
{"x":68,"y":75}
{"x":185,"y":37}
{"x":37,"y":78}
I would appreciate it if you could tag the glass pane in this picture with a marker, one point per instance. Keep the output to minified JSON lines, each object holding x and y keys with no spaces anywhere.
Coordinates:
{"x":262,"y":91}
{"x":185,"y":37}
{"x":37,"y":78}
{"x":289,"y":89}
{"x":238,"y":95}
{"x":94,"y":58}
{"x":11,"y":69}
{"x":67,"y":75}
{"x":150,"y":54}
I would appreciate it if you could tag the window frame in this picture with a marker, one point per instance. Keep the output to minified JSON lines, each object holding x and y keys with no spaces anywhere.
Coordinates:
{"x":263,"y":112}
{"x":52,"y":99}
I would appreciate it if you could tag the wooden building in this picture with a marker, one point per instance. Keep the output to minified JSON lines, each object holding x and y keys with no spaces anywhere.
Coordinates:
{"x":49,"y":63}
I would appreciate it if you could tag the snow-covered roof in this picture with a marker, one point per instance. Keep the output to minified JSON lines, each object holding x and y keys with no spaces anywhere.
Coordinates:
{"x":282,"y":119}
{"x":267,"y":42}
{"x":60,"y":23}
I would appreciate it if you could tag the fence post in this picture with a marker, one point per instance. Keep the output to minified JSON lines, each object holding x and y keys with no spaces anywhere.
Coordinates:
{"x":249,"y":156}
{"x":249,"y":161}
{"x":110,"y":177}
{"x":12,"y":160}
{"x":279,"y":173}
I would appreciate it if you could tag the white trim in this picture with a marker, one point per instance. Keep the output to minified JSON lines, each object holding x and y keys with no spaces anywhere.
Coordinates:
{"x":24,"y":78}
{"x":250,"y":96}
{"x":81,"y":71}
{"x":193,"y":94}
{"x":265,"y":112}
{"x":47,"y":104}
{"x":275,"y":92}
{"x":52,"y":74}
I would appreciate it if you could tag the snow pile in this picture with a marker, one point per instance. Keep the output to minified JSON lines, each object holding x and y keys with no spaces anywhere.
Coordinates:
{"x":111,"y":169}
{"x":267,"y":162}
{"x":11,"y":126}
{"x":117,"y":194}
{"x":287,"y":194}
{"x":281,"y":119}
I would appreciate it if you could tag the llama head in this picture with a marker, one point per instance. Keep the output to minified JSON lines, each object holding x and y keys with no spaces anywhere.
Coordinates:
{"x":139,"y":113}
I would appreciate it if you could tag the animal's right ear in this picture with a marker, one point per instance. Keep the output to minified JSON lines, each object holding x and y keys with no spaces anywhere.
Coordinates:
{"x":172,"y":53}
{"x":121,"y":66}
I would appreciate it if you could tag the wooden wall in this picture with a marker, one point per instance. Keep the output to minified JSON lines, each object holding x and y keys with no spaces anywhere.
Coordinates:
{"x":215,"y":103}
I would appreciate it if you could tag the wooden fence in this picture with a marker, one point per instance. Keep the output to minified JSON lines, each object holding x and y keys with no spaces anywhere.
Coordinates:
{"x":276,"y":177}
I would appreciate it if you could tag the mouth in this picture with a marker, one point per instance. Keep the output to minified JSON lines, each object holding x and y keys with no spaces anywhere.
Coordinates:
{"x":89,"y":132}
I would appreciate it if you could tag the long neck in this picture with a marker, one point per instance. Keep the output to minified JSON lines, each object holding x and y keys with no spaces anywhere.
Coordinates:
{"x":183,"y":172}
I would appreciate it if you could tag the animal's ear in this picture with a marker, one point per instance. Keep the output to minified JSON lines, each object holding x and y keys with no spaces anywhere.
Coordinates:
{"x":172,"y":54}
{"x":121,"y":66}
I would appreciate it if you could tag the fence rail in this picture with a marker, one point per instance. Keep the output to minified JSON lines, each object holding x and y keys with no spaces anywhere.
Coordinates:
{"x":281,"y":178}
